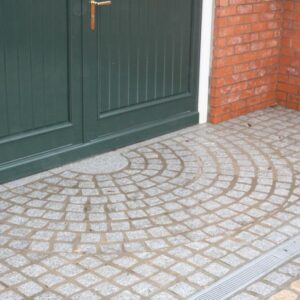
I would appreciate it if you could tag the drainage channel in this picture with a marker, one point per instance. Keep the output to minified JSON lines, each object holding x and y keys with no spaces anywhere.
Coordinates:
{"x":243,"y":277}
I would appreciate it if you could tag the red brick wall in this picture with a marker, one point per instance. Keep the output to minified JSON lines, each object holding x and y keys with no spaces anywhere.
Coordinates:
{"x":247,"y":36}
{"x":289,"y":71}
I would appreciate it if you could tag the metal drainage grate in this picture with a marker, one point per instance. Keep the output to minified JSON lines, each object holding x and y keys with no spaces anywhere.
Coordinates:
{"x":251,"y":272}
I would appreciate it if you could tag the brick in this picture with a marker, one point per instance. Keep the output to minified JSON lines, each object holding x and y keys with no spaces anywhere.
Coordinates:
{"x":257,"y":46}
{"x":242,"y":19}
{"x":220,"y":72}
{"x":225,"y":11}
{"x":289,"y":88}
{"x":261,"y":7}
{"x":221,"y":52}
{"x":223,"y":2}
{"x":244,"y":9}
{"x":295,"y":43}
{"x":296,"y":6}
{"x":242,"y":48}
{"x":234,"y":30}
{"x":281,"y":96}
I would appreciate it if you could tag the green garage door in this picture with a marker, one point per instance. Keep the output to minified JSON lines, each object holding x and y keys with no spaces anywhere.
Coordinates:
{"x":78,"y":78}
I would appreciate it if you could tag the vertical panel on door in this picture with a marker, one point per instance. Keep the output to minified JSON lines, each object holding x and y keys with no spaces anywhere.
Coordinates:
{"x":40,"y":76}
{"x":139,"y":63}
{"x":143,"y":52}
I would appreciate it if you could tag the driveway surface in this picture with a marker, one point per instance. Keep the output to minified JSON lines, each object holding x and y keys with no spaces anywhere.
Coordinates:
{"x":163,"y":219}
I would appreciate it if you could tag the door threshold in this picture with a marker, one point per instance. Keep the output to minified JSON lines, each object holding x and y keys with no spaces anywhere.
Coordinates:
{"x":57,"y":157}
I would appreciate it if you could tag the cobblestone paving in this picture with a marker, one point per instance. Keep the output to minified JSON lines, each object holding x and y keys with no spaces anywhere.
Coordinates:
{"x":281,"y":284}
{"x":162,"y":220}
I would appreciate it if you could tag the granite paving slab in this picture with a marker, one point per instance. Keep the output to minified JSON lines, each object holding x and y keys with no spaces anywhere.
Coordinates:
{"x":161,"y":219}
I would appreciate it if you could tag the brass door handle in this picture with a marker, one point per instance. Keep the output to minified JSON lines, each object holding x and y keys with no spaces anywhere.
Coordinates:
{"x":101,"y":3}
{"x":93,"y":4}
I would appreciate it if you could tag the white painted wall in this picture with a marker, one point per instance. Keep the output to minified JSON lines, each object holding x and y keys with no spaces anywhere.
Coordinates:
{"x":205,"y":58}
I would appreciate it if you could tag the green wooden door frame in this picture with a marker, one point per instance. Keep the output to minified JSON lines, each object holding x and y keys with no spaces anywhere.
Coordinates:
{"x":94,"y":141}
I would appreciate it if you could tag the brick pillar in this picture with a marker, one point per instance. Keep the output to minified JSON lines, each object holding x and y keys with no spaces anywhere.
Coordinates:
{"x":247,"y":38}
{"x":289,"y":72}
